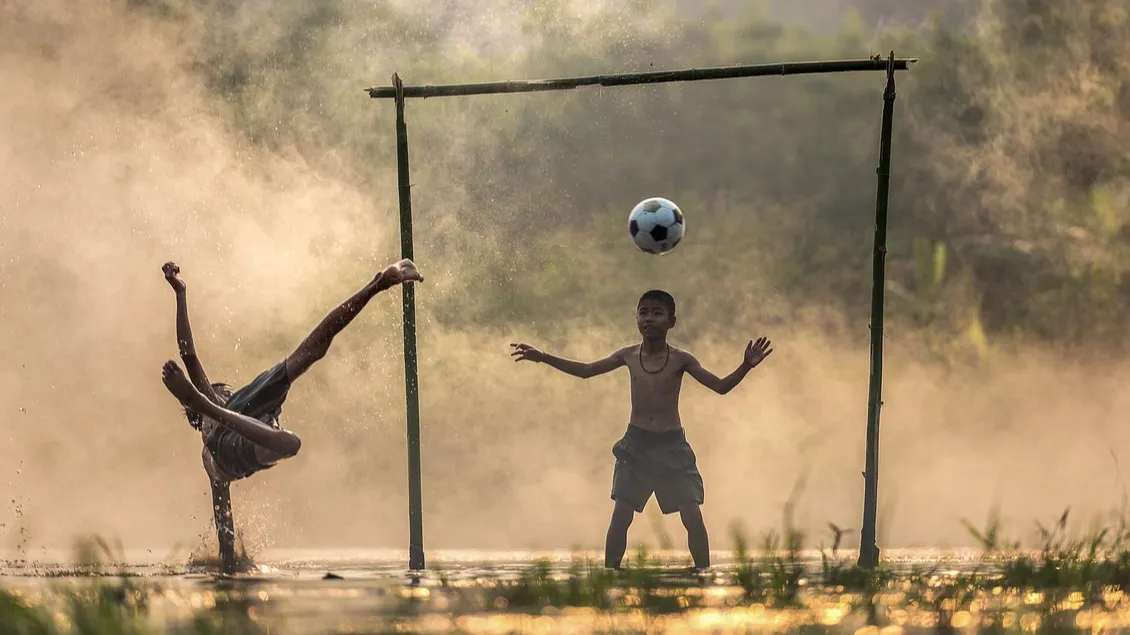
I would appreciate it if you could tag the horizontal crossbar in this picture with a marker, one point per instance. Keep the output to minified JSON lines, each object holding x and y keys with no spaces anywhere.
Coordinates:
{"x":652,"y":77}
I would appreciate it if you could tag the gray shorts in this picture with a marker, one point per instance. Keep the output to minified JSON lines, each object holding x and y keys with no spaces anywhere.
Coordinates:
{"x":261,"y":399}
{"x":662,"y":463}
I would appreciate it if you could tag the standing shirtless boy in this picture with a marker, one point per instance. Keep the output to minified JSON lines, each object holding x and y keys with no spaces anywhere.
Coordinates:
{"x":653,"y":456}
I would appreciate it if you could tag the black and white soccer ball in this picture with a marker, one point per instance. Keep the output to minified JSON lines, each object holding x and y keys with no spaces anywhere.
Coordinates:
{"x":657,"y":225}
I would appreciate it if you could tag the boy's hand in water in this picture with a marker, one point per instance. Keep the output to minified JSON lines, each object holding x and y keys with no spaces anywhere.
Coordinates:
{"x":172,"y":275}
{"x":756,"y":352}
{"x":525,"y":352}
{"x":399,"y":273}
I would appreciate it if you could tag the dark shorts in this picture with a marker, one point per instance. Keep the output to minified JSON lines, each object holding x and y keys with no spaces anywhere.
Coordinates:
{"x":261,"y":399}
{"x":660,"y":463}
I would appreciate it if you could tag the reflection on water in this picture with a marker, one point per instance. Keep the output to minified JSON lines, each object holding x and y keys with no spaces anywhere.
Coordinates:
{"x":393,"y":563}
{"x":373,"y":591}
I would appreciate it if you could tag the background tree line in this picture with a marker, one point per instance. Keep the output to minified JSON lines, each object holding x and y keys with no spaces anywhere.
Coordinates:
{"x":1009,"y":189}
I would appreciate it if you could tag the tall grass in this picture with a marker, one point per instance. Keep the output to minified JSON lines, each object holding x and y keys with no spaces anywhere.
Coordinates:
{"x":117,"y":607}
{"x":1064,"y":583}
{"x":1068,"y":583}
{"x":107,"y":600}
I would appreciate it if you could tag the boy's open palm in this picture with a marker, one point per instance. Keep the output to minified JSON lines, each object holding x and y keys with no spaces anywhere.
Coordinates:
{"x":526,"y":352}
{"x":756,"y":352}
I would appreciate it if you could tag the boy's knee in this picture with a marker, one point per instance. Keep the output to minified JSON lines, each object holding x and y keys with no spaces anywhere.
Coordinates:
{"x":296,"y":445}
{"x":290,"y":449}
{"x":623,"y":514}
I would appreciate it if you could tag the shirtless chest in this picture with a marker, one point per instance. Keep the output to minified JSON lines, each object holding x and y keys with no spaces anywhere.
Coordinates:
{"x":656,"y":381}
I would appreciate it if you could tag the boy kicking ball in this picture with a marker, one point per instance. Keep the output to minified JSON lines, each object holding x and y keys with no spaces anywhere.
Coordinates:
{"x":240,"y":430}
{"x":653,"y":456}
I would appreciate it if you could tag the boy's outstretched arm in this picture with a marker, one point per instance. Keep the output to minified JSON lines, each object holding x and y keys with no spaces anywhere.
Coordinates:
{"x":584,"y":370}
{"x":755,"y":353}
{"x":185,"y":345}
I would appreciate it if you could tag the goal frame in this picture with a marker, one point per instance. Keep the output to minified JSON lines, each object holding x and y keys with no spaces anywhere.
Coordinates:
{"x":400,"y":93}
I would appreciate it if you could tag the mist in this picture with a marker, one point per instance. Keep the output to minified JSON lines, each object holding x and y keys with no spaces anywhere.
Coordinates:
{"x":133,"y":134}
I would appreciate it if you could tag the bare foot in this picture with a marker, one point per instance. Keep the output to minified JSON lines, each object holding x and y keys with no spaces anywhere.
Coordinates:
{"x":181,"y":388}
{"x":399,"y":273}
{"x":172,"y":275}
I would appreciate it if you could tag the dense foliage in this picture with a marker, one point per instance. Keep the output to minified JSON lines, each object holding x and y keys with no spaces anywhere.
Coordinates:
{"x":1009,"y":188}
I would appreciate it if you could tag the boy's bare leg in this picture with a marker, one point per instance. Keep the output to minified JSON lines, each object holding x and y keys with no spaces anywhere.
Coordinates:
{"x":616,"y":542}
{"x":317,"y":343}
{"x":282,"y":442}
{"x":697,"y":539}
{"x":225,"y":526}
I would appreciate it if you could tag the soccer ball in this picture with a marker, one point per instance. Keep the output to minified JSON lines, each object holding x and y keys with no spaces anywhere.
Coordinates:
{"x":656,"y":225}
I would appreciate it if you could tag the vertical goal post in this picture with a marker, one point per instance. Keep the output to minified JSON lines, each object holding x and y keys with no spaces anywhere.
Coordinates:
{"x":399,"y":93}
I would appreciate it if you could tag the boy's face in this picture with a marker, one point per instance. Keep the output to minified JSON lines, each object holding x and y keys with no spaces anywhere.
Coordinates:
{"x":653,"y":319}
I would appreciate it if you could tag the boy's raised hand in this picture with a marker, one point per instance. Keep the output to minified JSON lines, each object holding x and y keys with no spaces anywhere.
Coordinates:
{"x":526,"y":352}
{"x":172,"y":275}
{"x":756,"y":352}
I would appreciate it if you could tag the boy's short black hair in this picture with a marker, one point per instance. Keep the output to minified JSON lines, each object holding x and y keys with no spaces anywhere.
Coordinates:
{"x":660,"y":296}
{"x":223,"y":391}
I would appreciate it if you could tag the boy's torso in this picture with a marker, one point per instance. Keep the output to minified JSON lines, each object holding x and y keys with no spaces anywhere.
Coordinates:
{"x":656,"y":380}
{"x":228,"y":455}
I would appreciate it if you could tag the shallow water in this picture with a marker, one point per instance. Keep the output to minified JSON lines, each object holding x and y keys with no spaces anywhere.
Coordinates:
{"x":376,"y":592}
{"x":393,"y":563}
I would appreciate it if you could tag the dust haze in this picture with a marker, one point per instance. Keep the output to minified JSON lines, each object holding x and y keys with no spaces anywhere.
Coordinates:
{"x":116,"y":158}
